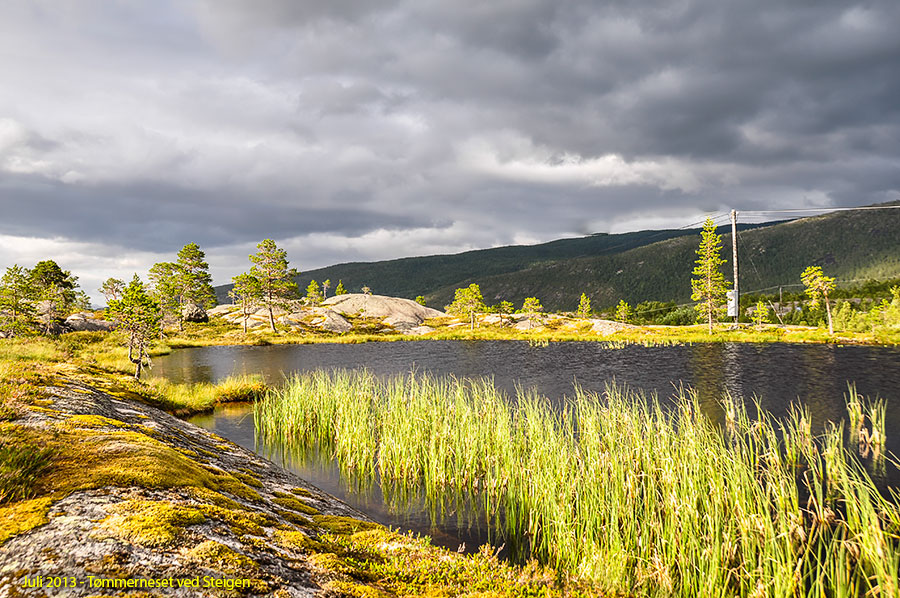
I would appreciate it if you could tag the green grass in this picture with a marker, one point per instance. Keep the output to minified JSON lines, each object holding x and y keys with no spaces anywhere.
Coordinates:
{"x":22,"y":461}
{"x":614,"y":488}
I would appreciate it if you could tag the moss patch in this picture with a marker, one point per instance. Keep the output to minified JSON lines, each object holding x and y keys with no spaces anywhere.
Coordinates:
{"x":150,"y":523}
{"x":213,"y":555}
{"x":248,"y":479}
{"x":23,"y":516}
{"x":343,"y":525}
{"x":289,"y":502}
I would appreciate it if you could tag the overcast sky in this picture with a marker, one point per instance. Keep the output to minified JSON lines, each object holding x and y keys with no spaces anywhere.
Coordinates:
{"x":379,"y":129}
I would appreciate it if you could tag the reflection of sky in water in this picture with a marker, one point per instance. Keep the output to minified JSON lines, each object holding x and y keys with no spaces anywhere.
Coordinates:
{"x":776,"y":375}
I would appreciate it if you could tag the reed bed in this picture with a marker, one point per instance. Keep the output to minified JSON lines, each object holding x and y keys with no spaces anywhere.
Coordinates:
{"x":612,"y":487}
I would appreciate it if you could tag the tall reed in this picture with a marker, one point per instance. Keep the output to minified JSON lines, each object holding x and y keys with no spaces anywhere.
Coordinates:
{"x":644,"y":500}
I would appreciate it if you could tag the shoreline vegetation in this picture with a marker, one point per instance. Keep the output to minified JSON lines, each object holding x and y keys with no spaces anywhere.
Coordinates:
{"x":615,"y":489}
{"x":178,"y":501}
{"x":682,"y":464}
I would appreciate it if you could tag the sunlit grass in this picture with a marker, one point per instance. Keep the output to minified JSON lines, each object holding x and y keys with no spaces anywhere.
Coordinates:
{"x":643,"y":500}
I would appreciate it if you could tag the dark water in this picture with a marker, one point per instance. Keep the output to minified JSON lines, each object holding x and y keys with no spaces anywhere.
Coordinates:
{"x":776,"y":374}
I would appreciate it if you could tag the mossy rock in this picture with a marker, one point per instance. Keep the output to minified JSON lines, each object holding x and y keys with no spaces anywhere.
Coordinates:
{"x":150,"y":523}
{"x":289,"y":502}
{"x":344,"y":525}
{"x":22,"y":516}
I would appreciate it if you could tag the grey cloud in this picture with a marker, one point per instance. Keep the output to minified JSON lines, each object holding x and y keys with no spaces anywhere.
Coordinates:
{"x":284,"y":118}
{"x":157,"y":217}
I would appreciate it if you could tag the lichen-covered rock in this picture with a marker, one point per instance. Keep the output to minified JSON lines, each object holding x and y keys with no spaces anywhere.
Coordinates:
{"x":393,"y":311}
{"x":333,"y":322}
{"x":135,"y":493}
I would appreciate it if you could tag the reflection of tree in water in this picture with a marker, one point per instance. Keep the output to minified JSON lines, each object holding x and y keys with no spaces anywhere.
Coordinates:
{"x":707,"y":363}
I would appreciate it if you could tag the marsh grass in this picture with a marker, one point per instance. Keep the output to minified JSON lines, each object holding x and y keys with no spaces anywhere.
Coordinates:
{"x":204,"y":396}
{"x":612,"y":487}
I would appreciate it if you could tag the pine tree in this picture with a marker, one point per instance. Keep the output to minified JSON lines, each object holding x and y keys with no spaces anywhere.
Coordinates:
{"x":420,"y":299}
{"x":112,"y":289}
{"x":246,"y":292}
{"x":761,"y":313}
{"x":504,"y":308}
{"x":138,"y":315}
{"x":195,"y":279}
{"x":624,"y":313}
{"x":17,"y":296}
{"x":55,"y":290}
{"x":167,"y":288}
{"x":584,"y":307}
{"x":531,"y":306}
{"x":467,"y":302}
{"x":277,"y":285}
{"x":325,"y":286}
{"x":313,"y":295}
{"x":817,"y":287}
{"x":709,"y":287}
{"x":340,"y":290}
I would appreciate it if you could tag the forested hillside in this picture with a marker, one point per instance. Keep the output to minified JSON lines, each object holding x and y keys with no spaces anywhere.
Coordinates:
{"x":848,"y":246}
{"x":637,"y":266}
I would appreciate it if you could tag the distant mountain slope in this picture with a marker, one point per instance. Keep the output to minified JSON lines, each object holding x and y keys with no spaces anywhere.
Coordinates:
{"x":848,"y":245}
{"x":638,"y":266}
{"x":413,"y":276}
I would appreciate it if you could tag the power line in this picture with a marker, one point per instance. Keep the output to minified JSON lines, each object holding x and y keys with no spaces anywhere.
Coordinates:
{"x":840,"y":209}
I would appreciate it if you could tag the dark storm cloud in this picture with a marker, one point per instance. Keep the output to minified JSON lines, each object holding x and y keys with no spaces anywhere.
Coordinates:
{"x":157,"y":217}
{"x":446,"y":124}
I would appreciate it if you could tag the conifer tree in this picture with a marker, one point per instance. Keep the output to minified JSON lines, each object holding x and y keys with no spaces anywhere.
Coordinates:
{"x":167,"y":288}
{"x":246,"y":292}
{"x":277,"y":285}
{"x":112,"y":289}
{"x":817,"y":287}
{"x":55,"y":290}
{"x":325,"y":286}
{"x":195,"y":279}
{"x":504,"y":308}
{"x":16,"y":301}
{"x":624,"y":313}
{"x":584,"y":307}
{"x":761,"y":313}
{"x":313,"y":295}
{"x":138,"y":316}
{"x":709,"y":287}
{"x":531,"y":306}
{"x":467,"y":302}
{"x":340,"y":290}
{"x":420,"y":299}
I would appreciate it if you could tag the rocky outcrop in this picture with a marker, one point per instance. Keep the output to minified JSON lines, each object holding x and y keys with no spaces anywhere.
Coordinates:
{"x":393,"y":311}
{"x":194,"y":313}
{"x":86,"y":321}
{"x":395,"y":314}
{"x":137,"y":494}
{"x":333,"y":322}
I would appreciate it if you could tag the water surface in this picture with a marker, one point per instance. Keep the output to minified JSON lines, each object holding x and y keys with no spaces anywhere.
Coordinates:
{"x":774,"y":374}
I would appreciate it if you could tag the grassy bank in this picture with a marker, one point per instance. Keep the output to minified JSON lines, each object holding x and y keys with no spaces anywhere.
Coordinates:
{"x":615,"y":489}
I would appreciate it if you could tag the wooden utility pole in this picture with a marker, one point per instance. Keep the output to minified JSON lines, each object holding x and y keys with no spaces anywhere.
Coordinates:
{"x":737,"y":297}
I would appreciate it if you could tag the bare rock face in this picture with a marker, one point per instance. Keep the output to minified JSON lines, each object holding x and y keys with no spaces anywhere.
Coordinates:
{"x":393,"y":311}
{"x":194,"y":313}
{"x":333,"y":322}
{"x":605,"y":327}
{"x":86,"y":321}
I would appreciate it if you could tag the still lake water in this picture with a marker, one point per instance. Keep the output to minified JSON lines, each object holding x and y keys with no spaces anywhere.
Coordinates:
{"x":776,"y":374}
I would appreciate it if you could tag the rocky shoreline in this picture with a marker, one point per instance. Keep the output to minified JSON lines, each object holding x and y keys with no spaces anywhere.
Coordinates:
{"x":137,"y":494}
